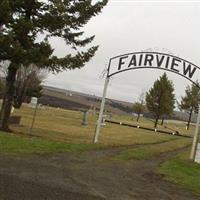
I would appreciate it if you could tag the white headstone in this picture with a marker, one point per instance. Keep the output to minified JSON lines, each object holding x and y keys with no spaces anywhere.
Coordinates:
{"x":197,"y":158}
{"x":33,"y":102}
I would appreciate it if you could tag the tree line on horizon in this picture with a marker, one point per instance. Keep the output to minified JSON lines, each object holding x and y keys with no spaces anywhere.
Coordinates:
{"x":160,"y":100}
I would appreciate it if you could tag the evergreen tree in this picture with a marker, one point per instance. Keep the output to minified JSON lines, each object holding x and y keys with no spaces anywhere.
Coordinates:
{"x":22,"y":22}
{"x":160,"y":99}
{"x":191,"y":100}
{"x":139,"y":107}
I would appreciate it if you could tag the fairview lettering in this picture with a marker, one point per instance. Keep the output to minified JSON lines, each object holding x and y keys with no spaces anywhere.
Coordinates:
{"x":152,"y":60}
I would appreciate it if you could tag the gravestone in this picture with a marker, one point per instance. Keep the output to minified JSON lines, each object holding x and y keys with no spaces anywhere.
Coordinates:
{"x":33,"y":102}
{"x":85,"y":118}
{"x":103,"y":122}
{"x":197,"y":158}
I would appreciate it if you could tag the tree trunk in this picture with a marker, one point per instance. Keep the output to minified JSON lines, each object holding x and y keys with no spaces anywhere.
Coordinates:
{"x":21,"y":89}
{"x":156,"y":122}
{"x":190,"y":117}
{"x":8,"y":97}
{"x":162,"y":122}
{"x":18,"y":100}
{"x":138,"y":117}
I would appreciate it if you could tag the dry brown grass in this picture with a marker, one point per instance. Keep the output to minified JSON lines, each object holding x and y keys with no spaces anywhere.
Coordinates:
{"x":65,"y":125}
{"x":169,"y":125}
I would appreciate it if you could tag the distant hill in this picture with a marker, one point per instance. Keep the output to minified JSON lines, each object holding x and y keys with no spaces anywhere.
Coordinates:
{"x":73,"y":100}
{"x":57,"y":97}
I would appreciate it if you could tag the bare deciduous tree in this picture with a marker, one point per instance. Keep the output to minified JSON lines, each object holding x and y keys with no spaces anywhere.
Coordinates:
{"x":139,"y":107}
{"x":28,"y":79}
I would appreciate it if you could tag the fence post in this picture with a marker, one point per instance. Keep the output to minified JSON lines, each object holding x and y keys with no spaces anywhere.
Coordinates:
{"x":195,"y":138}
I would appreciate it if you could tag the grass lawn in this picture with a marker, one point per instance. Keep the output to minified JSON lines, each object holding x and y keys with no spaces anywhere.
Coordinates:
{"x":148,"y":151}
{"x":61,"y":130}
{"x":169,"y":125}
{"x":183,"y":172}
{"x":15,"y":144}
{"x":65,"y":126}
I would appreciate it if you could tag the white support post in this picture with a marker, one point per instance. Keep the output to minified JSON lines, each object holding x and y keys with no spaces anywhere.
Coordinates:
{"x":195,"y":138}
{"x":98,"y":127}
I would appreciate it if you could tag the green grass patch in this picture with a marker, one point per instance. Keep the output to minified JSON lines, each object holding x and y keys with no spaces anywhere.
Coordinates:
{"x":182,"y":172}
{"x":12,"y":144}
{"x":148,"y":151}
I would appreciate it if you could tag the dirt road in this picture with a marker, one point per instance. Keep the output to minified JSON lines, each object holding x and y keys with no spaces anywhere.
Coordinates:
{"x":86,"y":176}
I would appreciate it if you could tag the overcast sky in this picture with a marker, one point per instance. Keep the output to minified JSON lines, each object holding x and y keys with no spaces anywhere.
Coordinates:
{"x":128,"y":26}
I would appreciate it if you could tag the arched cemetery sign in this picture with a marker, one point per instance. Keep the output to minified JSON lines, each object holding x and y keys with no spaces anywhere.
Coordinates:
{"x":154,"y":60}
{"x":150,"y":60}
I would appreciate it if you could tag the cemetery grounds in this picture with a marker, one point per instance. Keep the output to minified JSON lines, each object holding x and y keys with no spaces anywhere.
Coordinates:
{"x":58,"y":160}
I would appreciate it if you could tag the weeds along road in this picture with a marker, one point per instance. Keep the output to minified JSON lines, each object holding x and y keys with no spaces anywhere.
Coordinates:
{"x":91,"y":175}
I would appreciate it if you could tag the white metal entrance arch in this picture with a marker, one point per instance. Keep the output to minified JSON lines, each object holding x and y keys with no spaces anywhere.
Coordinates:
{"x":151,"y":60}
